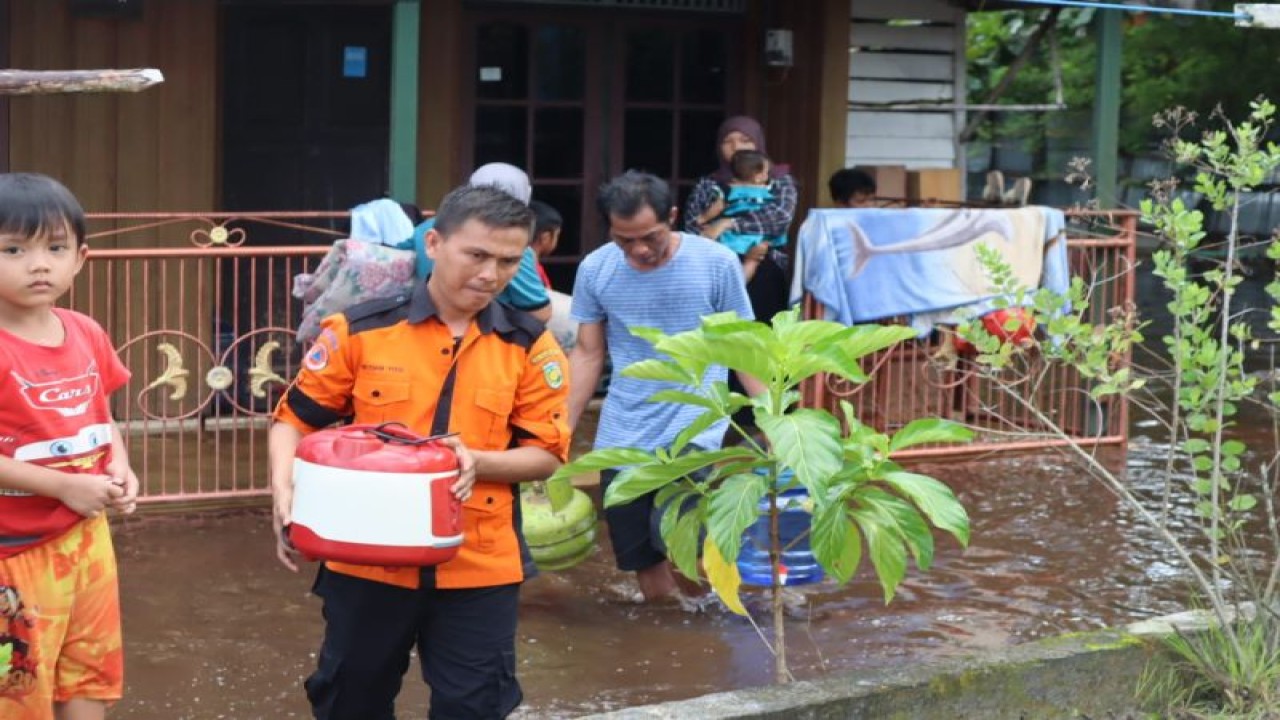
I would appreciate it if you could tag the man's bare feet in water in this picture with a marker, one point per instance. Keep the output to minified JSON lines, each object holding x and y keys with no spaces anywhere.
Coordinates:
{"x":657,"y":582}
{"x":663,"y":580}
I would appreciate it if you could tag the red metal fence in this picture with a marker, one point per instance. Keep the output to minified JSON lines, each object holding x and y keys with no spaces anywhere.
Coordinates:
{"x":204,"y":318}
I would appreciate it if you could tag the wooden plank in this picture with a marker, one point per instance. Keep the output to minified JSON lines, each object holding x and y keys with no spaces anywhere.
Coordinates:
{"x":908,"y":164}
{"x":889,"y":151}
{"x":888,"y":37}
{"x":901,"y":124}
{"x":905,"y":9}
{"x":911,"y":164}
{"x":888,"y":91}
{"x":907,"y":157}
{"x":901,"y":66}
{"x":59,"y":82}
{"x":904,"y":151}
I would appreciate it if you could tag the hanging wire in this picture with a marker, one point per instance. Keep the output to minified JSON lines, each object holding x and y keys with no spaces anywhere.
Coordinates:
{"x":1138,"y":8}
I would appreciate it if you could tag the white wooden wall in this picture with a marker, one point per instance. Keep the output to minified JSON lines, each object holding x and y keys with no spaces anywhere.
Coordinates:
{"x":905,"y":51}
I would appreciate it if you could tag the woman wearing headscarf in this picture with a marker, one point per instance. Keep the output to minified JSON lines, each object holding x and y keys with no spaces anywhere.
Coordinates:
{"x":768,"y":287}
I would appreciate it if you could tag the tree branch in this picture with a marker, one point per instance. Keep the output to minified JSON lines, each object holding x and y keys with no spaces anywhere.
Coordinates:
{"x":1050,"y":19}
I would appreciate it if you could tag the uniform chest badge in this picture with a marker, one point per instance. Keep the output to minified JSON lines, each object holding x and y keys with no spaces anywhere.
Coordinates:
{"x":553,"y":374}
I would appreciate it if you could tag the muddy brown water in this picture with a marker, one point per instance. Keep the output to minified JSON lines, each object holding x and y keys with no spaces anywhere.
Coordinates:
{"x":215,"y":628}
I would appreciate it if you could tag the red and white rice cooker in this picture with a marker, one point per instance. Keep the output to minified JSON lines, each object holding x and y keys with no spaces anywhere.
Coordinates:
{"x":375,"y":495}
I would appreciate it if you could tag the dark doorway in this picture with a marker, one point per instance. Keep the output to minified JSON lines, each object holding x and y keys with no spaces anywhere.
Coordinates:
{"x":306,"y":106}
{"x":575,"y":97}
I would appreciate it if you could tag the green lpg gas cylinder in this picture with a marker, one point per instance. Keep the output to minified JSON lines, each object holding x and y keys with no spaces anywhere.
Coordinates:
{"x":559,"y":525}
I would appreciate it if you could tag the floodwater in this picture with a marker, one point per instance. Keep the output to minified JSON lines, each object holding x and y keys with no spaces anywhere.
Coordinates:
{"x":215,"y":628}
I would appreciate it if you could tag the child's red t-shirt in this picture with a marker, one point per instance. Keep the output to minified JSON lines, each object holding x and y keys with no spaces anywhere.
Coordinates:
{"x":54,"y":412}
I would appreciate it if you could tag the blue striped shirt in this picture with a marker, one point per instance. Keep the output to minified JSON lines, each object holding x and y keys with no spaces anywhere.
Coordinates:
{"x":701,"y":278}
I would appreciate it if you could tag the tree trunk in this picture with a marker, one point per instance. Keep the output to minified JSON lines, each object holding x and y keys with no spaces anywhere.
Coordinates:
{"x":44,"y":82}
{"x":781,"y":673}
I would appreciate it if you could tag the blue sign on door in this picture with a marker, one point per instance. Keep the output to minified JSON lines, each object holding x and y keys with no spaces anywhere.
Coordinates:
{"x":355,"y":61}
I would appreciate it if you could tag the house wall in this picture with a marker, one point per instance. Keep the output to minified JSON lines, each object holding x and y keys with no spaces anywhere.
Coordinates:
{"x":440,"y":102}
{"x":159,"y":149}
{"x":151,"y":150}
{"x":906,"y":52}
{"x":803,"y":107}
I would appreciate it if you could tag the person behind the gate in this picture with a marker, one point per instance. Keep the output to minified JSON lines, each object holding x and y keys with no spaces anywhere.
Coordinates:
{"x":62,"y":465}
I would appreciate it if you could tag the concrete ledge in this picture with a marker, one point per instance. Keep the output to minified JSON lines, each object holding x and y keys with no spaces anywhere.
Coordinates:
{"x":1080,"y":675}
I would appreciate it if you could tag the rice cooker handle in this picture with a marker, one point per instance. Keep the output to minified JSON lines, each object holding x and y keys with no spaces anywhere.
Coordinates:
{"x":403,"y":434}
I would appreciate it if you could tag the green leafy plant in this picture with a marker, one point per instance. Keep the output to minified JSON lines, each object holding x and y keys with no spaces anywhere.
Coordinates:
{"x":6,"y":659}
{"x":1194,"y":392}
{"x":861,"y":499}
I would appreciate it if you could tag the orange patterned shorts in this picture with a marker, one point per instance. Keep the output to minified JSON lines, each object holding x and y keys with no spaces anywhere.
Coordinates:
{"x":60,"y":615}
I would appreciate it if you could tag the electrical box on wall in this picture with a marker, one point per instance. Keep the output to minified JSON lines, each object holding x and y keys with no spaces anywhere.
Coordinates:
{"x":778,"y":48}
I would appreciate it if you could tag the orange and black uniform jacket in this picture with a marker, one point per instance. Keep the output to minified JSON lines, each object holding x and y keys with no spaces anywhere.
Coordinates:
{"x":387,"y":360}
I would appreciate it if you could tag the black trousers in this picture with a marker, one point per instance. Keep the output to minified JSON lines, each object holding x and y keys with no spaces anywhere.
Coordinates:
{"x":633,"y":530}
{"x":465,"y":640}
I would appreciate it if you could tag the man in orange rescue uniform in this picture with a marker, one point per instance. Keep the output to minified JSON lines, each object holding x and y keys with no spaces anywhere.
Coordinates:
{"x":447,"y":358}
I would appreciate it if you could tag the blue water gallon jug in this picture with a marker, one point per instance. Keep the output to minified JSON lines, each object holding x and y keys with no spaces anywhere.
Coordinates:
{"x":798,"y":564}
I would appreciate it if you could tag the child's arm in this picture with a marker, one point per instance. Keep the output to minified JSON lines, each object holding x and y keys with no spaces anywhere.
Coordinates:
{"x":85,"y":493}
{"x":122,"y":473}
{"x":704,"y":193}
{"x":751,"y":261}
{"x":717,"y":228}
{"x":713,"y":211}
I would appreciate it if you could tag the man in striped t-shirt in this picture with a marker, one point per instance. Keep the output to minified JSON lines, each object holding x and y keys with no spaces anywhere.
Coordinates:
{"x":648,"y":276}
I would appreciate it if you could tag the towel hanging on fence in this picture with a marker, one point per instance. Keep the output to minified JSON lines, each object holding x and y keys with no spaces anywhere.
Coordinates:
{"x":869,"y":264}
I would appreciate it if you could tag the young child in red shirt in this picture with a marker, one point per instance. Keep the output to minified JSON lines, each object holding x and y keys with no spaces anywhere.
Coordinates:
{"x":62,"y":465}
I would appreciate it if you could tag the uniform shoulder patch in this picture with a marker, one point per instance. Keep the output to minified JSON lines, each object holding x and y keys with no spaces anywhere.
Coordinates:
{"x":317,"y":358}
{"x":553,"y":373}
